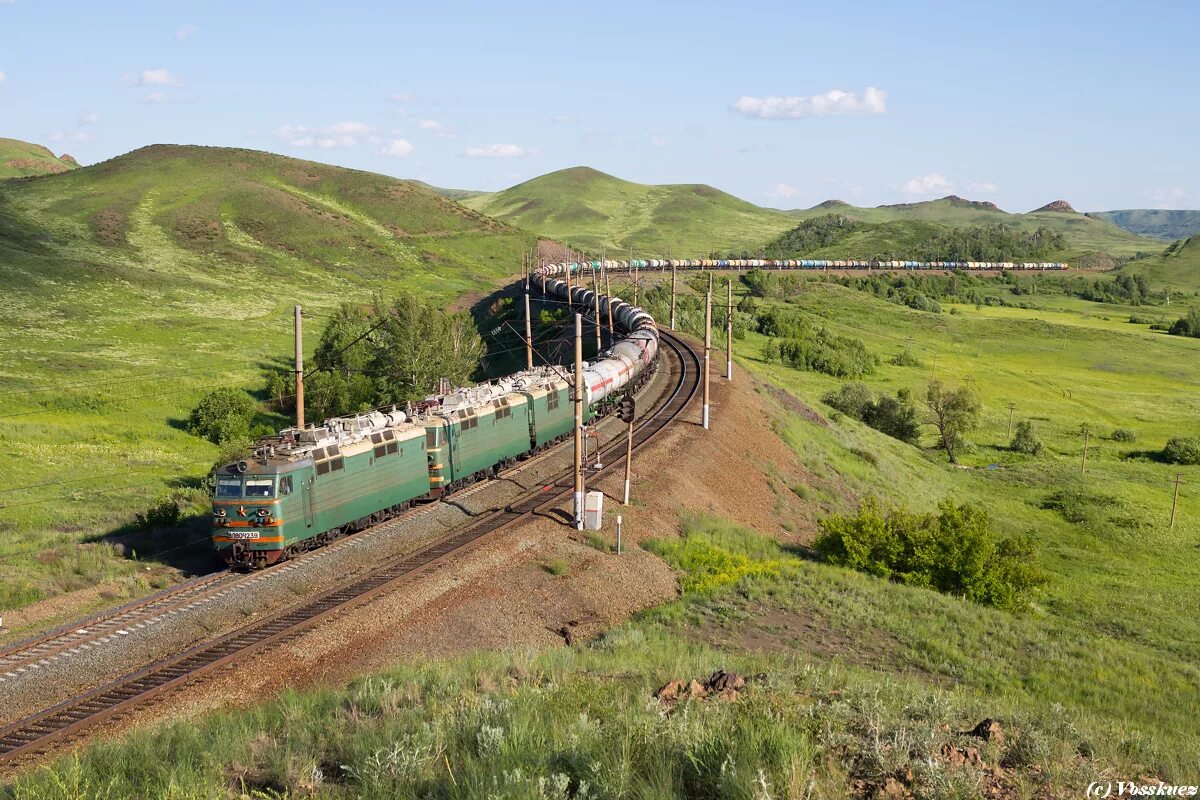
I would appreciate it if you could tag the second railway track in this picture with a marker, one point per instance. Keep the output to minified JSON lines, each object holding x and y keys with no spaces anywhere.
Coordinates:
{"x":40,"y":732}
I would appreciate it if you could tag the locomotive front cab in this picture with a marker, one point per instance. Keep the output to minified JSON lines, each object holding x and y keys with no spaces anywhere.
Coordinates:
{"x":251,"y":502}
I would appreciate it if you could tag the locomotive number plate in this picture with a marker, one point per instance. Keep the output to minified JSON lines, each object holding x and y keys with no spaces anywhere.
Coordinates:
{"x":244,"y":534}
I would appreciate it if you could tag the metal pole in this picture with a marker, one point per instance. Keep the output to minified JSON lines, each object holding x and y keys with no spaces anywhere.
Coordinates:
{"x":299,"y":368}
{"x":579,"y":489}
{"x":528,"y":333}
{"x":608,"y":293}
{"x":628,"y":460}
{"x":618,"y":534}
{"x":1087,"y":435}
{"x":729,"y":332}
{"x":596,"y":292}
{"x":1011,"y":407}
{"x":707,"y":354}
{"x":672,"y":295}
{"x":570,"y":258}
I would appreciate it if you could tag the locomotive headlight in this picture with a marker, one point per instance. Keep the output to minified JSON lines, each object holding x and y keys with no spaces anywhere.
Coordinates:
{"x":262,"y":512}
{"x":219,"y":512}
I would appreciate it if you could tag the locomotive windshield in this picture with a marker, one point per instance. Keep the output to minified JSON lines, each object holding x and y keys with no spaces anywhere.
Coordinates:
{"x":260,"y":487}
{"x":229,"y":487}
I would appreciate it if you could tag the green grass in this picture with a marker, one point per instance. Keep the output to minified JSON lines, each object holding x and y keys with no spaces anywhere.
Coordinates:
{"x":1176,"y":267}
{"x":592,"y":210}
{"x":23,"y":159}
{"x":134,"y":286}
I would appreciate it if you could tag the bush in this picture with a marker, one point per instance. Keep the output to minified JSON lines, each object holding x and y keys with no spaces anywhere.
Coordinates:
{"x":852,"y":399}
{"x":1182,"y":450}
{"x":1187,"y":326}
{"x":1124,"y":435}
{"x":222,"y":416}
{"x":1025,"y":439}
{"x":907,"y":358}
{"x":953,"y":551}
{"x":163,"y":514}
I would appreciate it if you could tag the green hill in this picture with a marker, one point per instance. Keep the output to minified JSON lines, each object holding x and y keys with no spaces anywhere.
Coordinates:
{"x":22,"y":159}
{"x":1083,"y":233}
{"x":134,"y":286}
{"x":457,"y":195}
{"x":1155,"y":223}
{"x":1178,"y":266}
{"x":592,"y":210}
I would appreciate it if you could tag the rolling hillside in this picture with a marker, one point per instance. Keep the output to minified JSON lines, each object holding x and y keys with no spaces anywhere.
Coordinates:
{"x":134,"y":286}
{"x":1156,"y":223}
{"x":1177,"y":266}
{"x":1083,"y":233}
{"x":592,"y":210}
{"x":22,"y":159}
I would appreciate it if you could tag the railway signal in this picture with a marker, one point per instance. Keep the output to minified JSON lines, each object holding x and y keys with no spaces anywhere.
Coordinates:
{"x":626,"y":411}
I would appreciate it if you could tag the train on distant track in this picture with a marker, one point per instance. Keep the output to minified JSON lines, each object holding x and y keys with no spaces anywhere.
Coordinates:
{"x":306,"y":487}
{"x":789,"y":263}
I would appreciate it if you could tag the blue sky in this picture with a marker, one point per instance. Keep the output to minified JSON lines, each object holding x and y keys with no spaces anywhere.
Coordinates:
{"x":784,"y":104}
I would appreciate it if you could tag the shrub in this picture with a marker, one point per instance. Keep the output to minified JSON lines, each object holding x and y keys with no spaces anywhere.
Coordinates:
{"x":1182,"y":450}
{"x":222,"y":416}
{"x":852,"y":399}
{"x":907,"y":358}
{"x":953,"y":551}
{"x":1025,"y":439}
{"x":1124,"y":435}
{"x":163,"y":514}
{"x":1187,"y":326}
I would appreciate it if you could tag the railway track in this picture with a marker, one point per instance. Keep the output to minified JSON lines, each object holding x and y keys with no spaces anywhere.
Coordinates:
{"x":38,"y":733}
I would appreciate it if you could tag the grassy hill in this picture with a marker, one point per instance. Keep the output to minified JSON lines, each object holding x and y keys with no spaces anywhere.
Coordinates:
{"x":1177,"y":266}
{"x":1083,"y":233}
{"x":592,"y":210}
{"x":134,"y":286}
{"x":23,"y":159}
{"x":457,"y":195}
{"x":1155,"y":223}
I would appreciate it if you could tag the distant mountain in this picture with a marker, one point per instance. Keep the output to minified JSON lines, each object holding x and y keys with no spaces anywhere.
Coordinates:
{"x":1153,"y":222}
{"x":590,"y":209}
{"x":1084,"y":234}
{"x":23,"y":159}
{"x":457,"y":195}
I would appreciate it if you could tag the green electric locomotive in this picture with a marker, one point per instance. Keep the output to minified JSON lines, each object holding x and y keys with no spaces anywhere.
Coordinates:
{"x":308,"y":486}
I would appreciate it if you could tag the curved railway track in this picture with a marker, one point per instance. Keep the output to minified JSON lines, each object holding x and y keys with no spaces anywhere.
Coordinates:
{"x":38,"y":733}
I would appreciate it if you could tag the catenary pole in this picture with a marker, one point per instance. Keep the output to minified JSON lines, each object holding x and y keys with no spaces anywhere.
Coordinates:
{"x":707,"y":353}
{"x":528,"y":332}
{"x":596,"y":299}
{"x":729,"y":331}
{"x":673,"y":295}
{"x":579,"y":489}
{"x":299,"y":368}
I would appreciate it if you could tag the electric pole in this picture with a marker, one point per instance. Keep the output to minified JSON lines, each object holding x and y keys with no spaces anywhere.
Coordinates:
{"x":578,"y":520}
{"x":729,"y":331}
{"x":608,"y":293}
{"x":1011,"y":407}
{"x":1174,"y":500}
{"x":672,"y":295}
{"x":596,"y":292}
{"x":707,"y":351}
{"x":528,"y":332}
{"x":299,"y":368}
{"x":570,"y":261}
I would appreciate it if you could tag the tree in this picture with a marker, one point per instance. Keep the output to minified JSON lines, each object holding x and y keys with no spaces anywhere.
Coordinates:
{"x":1025,"y":439}
{"x":895,"y":416}
{"x":1182,"y":450}
{"x":222,"y":416}
{"x":953,"y":413}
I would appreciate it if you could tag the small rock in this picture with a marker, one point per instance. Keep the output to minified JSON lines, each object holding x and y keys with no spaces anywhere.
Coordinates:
{"x":722,"y":681}
{"x":670,"y":691}
{"x":695,"y":689}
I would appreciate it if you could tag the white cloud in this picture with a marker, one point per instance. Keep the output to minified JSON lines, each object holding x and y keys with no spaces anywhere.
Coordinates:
{"x":435,"y":128}
{"x":982,"y":187}
{"x":2,"y":76}
{"x":186,"y":32}
{"x":497,"y":151}
{"x":565,"y":119}
{"x":872,"y":101}
{"x":88,"y":118}
{"x":153,"y":77}
{"x":933,"y":183}
{"x":156,"y":98}
{"x":397,"y":148}
{"x":782,"y":191}
{"x":340,"y":134}
{"x":73,"y":136}
{"x":1172,"y":198}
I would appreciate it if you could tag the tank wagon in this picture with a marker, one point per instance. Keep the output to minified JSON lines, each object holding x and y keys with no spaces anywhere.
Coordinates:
{"x":802,"y":264}
{"x":306,"y":487}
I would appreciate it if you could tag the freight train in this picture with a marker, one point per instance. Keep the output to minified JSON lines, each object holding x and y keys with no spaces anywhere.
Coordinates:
{"x":788,"y":263}
{"x":308,"y":486}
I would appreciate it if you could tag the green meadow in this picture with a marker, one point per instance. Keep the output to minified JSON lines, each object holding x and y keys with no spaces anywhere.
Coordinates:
{"x":134,"y":286}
